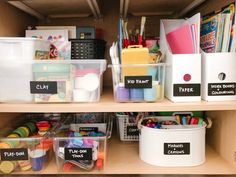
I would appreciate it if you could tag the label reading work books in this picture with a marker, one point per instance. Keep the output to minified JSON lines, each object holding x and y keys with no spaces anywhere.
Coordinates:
{"x":187,"y":89}
{"x":88,"y":129}
{"x":221,"y":89}
{"x":14,"y":154}
{"x":176,"y":148}
{"x":138,"y":81}
{"x":43,"y":87}
{"x":132,"y":131}
{"x":78,"y":154}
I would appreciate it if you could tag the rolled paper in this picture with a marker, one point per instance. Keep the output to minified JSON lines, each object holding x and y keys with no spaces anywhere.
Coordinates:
{"x":81,"y":95}
{"x":91,"y":82}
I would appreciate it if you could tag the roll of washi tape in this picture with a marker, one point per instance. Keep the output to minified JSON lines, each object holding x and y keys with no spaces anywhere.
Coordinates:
{"x":5,"y":145}
{"x":37,"y":159}
{"x":81,"y":95}
{"x":7,"y":167}
{"x":152,"y":71}
{"x":122,"y":93}
{"x":22,"y":131}
{"x":136,"y":94}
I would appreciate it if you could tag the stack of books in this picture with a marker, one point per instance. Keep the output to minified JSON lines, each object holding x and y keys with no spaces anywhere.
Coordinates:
{"x":218,"y":31}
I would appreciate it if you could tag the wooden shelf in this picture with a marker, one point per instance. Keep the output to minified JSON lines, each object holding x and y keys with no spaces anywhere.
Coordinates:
{"x":123,"y":158}
{"x":107,"y":104}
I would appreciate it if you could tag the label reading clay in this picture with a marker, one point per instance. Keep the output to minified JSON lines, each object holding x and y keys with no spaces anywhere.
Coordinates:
{"x":78,"y":154}
{"x":176,"y":148}
{"x":186,"y":90}
{"x":138,"y":81}
{"x":221,"y":89}
{"x":43,"y":87}
{"x":132,"y":131}
{"x":14,"y":154}
{"x":88,"y":129}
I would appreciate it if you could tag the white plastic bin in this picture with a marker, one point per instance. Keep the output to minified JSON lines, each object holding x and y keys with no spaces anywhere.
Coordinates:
{"x":177,"y":145}
{"x":218,"y":76}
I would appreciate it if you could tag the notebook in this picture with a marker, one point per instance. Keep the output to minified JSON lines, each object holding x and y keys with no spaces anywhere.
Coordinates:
{"x":180,"y":40}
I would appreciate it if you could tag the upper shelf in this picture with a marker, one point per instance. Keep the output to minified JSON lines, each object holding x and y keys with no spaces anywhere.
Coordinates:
{"x":43,"y":9}
{"x":173,"y":8}
{"x":107,"y":104}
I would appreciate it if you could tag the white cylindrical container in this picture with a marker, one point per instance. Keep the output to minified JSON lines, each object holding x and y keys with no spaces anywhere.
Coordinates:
{"x":173,"y":147}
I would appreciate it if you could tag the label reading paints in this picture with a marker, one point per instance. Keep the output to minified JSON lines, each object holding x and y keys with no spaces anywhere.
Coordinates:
{"x":138,"y":81}
{"x":78,"y":154}
{"x":43,"y":87}
{"x":221,"y":89}
{"x":14,"y":154}
{"x":176,"y":148}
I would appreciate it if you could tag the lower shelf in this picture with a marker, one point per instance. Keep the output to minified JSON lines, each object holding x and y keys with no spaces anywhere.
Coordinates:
{"x":123,"y":158}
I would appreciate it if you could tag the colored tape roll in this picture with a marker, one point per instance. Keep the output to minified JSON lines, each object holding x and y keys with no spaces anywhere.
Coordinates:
{"x":7,"y":167}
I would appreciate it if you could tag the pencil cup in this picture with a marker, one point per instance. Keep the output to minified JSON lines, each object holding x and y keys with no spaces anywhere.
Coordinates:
{"x":136,"y":94}
{"x":122,"y":94}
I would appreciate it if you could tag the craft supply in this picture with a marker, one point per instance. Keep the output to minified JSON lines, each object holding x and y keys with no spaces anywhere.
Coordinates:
{"x":150,"y":94}
{"x":140,"y":38}
{"x":25,"y":165}
{"x":67,"y":166}
{"x":136,"y":94}
{"x":122,"y":93}
{"x":7,"y":167}
{"x":81,"y":95}
{"x":37,"y":159}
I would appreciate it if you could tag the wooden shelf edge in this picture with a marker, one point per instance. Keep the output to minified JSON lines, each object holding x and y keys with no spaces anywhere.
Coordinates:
{"x":107,"y":104}
{"x":123,"y":158}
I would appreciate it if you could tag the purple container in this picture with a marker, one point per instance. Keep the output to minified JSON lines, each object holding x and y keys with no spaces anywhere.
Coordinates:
{"x":122,"y":94}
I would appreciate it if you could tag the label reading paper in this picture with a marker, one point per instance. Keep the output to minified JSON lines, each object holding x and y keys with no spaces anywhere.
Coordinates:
{"x":186,"y":90}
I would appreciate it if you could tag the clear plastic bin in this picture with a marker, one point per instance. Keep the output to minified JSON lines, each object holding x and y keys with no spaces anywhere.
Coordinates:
{"x":77,"y":152}
{"x":138,"y":82}
{"x":23,"y":148}
{"x":51,"y":80}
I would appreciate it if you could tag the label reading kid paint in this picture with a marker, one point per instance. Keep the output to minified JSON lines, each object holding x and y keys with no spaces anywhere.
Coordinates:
{"x":221,"y":89}
{"x":78,"y":154}
{"x":186,"y":90}
{"x":138,"y":81}
{"x":176,"y":148}
{"x":14,"y":154}
{"x":43,"y":87}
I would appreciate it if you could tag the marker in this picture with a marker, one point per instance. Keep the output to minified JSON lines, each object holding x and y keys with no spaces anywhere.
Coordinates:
{"x":177,"y":117}
{"x":194,"y":121}
{"x":200,"y":121}
{"x":184,"y":120}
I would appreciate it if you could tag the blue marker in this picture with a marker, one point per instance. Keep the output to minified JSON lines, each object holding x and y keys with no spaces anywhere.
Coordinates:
{"x":184,"y":121}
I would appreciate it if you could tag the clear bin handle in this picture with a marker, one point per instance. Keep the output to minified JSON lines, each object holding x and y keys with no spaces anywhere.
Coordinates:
{"x":109,"y":126}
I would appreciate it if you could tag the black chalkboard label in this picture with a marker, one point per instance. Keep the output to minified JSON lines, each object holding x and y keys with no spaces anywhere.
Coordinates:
{"x":78,"y":154}
{"x":132,"y":131}
{"x":14,"y":154}
{"x":176,"y":148}
{"x":138,"y":81}
{"x":187,"y":90}
{"x":43,"y":87}
{"x":221,"y":89}
{"x":88,"y":129}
